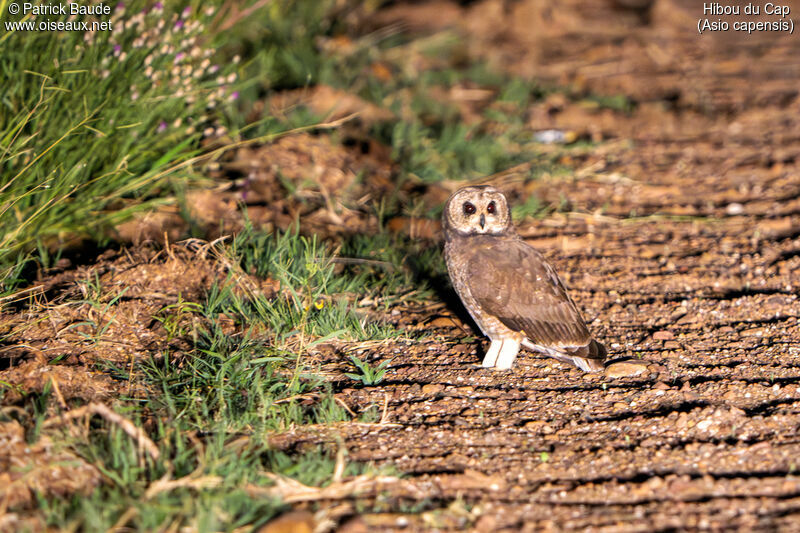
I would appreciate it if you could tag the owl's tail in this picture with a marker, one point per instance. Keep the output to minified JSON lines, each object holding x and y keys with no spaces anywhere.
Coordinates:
{"x":588,"y":358}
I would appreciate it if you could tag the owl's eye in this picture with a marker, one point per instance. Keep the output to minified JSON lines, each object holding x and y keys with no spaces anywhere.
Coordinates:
{"x":491,"y":208}
{"x":469,"y":208}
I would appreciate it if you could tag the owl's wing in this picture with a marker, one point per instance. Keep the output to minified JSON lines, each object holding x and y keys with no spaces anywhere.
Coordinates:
{"x":513,"y":282}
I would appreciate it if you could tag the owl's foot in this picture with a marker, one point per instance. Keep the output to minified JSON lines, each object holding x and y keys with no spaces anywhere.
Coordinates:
{"x":490,"y":358}
{"x":501,"y":354}
{"x":508,"y":352}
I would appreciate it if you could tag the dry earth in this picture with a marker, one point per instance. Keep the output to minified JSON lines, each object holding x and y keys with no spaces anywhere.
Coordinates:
{"x":682,"y":245}
{"x":701,"y":285}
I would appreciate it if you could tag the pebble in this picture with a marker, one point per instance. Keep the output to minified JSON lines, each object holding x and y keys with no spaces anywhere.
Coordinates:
{"x":539,"y":426}
{"x":625,"y":369}
{"x":753,"y":332}
{"x":734,"y":208}
{"x":443,"y":322}
{"x":432,"y":388}
{"x":663,"y":335}
{"x":291,"y":522}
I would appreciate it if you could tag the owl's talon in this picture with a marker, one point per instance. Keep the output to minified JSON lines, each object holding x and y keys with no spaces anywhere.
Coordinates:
{"x":509,"y":348}
{"x":490,"y":359}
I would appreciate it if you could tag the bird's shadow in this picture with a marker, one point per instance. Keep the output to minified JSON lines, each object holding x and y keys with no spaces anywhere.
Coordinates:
{"x":439,"y":282}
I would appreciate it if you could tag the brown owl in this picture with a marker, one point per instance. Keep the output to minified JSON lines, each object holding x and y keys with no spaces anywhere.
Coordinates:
{"x":509,"y":289}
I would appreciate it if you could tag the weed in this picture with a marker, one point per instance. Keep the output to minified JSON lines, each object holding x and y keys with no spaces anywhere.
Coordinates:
{"x":93,"y":291}
{"x":174,"y":317}
{"x":369,"y":376}
{"x":544,"y":457}
{"x":78,"y":160}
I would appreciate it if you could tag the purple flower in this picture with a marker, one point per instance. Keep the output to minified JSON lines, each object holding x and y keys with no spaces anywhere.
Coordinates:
{"x":117,"y":48}
{"x":120,"y":6}
{"x":179,"y":24}
{"x":178,"y":57}
{"x":186,"y":11}
{"x":246,"y":185}
{"x":162,"y":126}
{"x":158,"y":5}
{"x":234,"y":95}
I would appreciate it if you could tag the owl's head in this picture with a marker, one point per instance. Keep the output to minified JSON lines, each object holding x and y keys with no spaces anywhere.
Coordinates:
{"x":477,"y":210}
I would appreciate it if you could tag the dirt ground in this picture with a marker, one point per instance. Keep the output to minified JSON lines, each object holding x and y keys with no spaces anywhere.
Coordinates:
{"x":702,"y":285}
{"x":682,"y":246}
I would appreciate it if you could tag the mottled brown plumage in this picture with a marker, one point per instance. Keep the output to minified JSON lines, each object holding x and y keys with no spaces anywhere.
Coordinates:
{"x":510,"y":290}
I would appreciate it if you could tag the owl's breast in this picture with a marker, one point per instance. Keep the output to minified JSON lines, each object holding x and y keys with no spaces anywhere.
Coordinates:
{"x":459,"y":256}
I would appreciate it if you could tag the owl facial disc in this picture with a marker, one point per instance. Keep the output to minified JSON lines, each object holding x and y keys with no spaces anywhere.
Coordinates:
{"x":478,"y":210}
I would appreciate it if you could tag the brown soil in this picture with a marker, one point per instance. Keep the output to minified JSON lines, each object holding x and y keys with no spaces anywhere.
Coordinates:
{"x":702,"y":286}
{"x":681,"y":245}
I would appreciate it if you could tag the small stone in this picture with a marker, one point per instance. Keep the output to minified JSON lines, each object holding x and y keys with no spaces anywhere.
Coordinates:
{"x":735,"y":411}
{"x":661,"y":386}
{"x":731,"y":395}
{"x":753,"y":332}
{"x":539,"y":426}
{"x":734,"y":208}
{"x":432,"y":388}
{"x":291,"y":522}
{"x":678,"y":313}
{"x":672,"y":345}
{"x":443,"y":322}
{"x":703,"y":425}
{"x":486,"y":523}
{"x":354,"y":525}
{"x":663,"y":335}
{"x":625,"y":369}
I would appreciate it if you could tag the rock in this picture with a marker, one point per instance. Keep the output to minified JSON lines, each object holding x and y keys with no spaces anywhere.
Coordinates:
{"x":663,"y":335}
{"x":432,"y":388}
{"x":292,"y":522}
{"x":354,"y":525}
{"x":678,"y":313}
{"x":539,"y":426}
{"x":734,"y":208}
{"x":443,"y":322}
{"x":486,"y":523}
{"x":625,"y":369}
{"x":703,"y":425}
{"x":753,"y":332}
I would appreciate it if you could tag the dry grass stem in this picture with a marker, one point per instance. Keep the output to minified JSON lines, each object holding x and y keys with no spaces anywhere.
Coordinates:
{"x":291,"y":491}
{"x":166,"y":485}
{"x":94,"y":408}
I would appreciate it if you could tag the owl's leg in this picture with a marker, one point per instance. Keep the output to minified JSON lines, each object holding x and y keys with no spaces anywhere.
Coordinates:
{"x":509,"y":349}
{"x":490,"y":358}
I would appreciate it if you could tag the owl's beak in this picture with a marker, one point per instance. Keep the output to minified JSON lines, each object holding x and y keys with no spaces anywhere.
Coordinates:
{"x":483,"y":220}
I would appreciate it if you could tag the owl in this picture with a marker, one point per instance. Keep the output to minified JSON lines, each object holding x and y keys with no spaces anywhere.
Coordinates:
{"x":509,"y":289}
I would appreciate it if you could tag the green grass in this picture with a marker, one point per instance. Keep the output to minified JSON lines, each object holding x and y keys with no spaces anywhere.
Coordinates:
{"x":93,"y":130}
{"x":89,"y":136}
{"x":367,"y":374}
{"x":211,"y":407}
